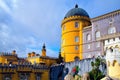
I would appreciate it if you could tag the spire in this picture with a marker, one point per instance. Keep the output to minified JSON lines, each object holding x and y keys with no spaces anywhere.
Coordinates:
{"x":44,"y":50}
{"x":44,"y":46}
{"x":76,"y":6}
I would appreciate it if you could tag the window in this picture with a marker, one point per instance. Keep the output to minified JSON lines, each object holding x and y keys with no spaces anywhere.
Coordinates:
{"x":76,"y":24}
{"x":76,"y":39}
{"x":98,"y":44}
{"x":99,"y":54}
{"x":76,"y":58}
{"x":88,"y":37}
{"x":97,"y":34}
{"x":62,"y":50}
{"x":64,"y":27}
{"x":76,"y":47}
{"x":111,"y":30}
{"x":63,"y":42}
{"x":111,"y":21}
{"x":88,"y":46}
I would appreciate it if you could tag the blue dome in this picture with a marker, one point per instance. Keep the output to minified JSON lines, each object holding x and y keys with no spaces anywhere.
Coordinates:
{"x":76,"y":12}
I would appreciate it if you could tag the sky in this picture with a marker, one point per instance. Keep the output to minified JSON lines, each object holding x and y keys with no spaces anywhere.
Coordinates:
{"x":25,"y":25}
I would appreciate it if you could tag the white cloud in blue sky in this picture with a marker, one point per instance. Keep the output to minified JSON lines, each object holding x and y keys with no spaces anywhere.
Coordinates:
{"x":26,"y":24}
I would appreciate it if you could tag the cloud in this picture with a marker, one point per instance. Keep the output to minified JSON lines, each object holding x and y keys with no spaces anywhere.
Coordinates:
{"x":5,"y":7}
{"x":26,"y":24}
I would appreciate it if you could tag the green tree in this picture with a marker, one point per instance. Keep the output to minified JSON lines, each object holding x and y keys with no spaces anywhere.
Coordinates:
{"x":95,"y":73}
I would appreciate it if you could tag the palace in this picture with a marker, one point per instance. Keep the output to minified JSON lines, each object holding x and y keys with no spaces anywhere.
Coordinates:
{"x":34,"y":67}
{"x":83,"y":37}
{"x":41,"y":59}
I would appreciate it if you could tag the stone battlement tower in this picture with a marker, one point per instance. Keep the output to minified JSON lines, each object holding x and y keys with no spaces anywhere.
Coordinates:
{"x":112,"y":47}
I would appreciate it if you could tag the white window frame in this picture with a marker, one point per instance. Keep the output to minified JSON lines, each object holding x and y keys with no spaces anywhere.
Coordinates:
{"x":88,"y":46}
{"x":97,"y":34}
{"x":76,"y":38}
{"x":76,"y":47}
{"x":111,"y":30}
{"x":88,"y":37}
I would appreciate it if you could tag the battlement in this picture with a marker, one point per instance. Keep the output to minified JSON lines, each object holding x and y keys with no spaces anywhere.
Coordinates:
{"x":75,"y":18}
{"x":112,"y":50}
{"x":113,"y":41}
{"x":22,"y":67}
{"x":23,"y":71}
{"x":7,"y":54}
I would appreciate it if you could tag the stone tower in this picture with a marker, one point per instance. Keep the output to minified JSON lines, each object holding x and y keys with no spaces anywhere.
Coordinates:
{"x":112,"y":47}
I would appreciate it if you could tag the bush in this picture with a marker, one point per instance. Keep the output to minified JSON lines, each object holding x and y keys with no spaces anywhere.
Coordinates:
{"x":95,"y":73}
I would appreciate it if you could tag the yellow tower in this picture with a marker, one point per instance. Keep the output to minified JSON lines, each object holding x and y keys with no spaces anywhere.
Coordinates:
{"x":72,"y":35}
{"x":13,"y":52}
{"x":43,"y":50}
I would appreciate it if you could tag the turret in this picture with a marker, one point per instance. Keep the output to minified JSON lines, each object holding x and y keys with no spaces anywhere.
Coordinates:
{"x":72,"y":33}
{"x":43,"y":50}
{"x":13,"y":52}
{"x":113,"y":58}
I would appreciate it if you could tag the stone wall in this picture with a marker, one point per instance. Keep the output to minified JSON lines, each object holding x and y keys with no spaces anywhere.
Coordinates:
{"x":84,"y":65}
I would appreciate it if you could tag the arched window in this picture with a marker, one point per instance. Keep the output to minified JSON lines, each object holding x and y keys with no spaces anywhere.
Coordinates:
{"x":62,"y":49}
{"x":97,"y":34}
{"x":64,"y":27}
{"x":63,"y":41}
{"x":76,"y":24}
{"x":88,"y":37}
{"x":76,"y":39}
{"x":111,"y":30}
{"x":76,"y":47}
{"x":88,"y":46}
{"x":76,"y":58}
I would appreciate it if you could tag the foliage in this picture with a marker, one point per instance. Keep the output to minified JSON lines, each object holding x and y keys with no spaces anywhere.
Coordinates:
{"x":95,"y":73}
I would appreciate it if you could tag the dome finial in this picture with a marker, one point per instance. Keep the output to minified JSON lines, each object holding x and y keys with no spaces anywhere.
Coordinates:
{"x":76,"y":6}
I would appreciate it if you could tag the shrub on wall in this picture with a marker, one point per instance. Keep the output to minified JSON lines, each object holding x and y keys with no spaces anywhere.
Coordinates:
{"x":95,"y":73}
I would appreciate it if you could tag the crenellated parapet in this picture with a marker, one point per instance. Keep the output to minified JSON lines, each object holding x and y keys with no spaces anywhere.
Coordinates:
{"x":6,"y":54}
{"x":24,"y":71}
{"x":73,"y":18}
{"x":22,"y":68}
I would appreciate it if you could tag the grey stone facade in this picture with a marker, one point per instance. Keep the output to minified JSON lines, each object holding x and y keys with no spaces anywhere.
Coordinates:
{"x":104,"y":24}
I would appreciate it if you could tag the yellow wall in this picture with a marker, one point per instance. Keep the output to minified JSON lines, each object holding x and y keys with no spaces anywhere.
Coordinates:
{"x":33,"y":59}
{"x":7,"y":59}
{"x":69,"y":32}
{"x":38,"y":60}
{"x":45,"y":75}
{"x":114,"y":70}
{"x":2,"y":60}
{"x":43,"y":53}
